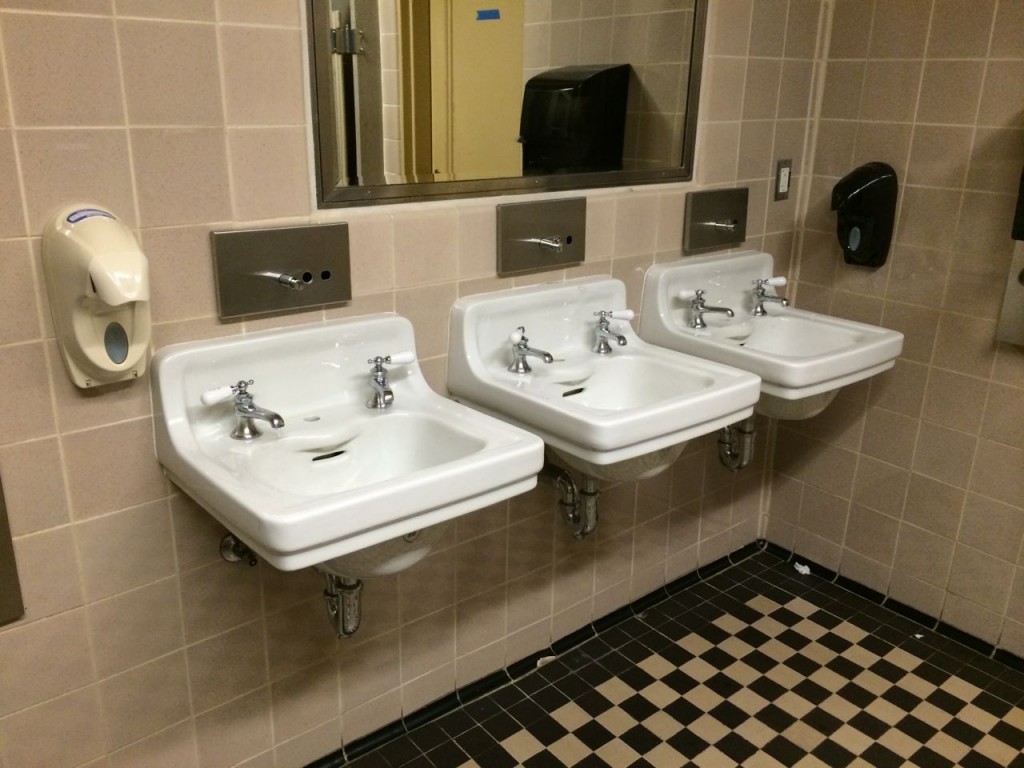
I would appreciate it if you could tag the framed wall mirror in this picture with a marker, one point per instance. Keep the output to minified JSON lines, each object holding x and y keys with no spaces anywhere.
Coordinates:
{"x":436,"y":99}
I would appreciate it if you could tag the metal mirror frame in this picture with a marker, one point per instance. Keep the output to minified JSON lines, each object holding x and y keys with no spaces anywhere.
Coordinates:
{"x":326,"y":150}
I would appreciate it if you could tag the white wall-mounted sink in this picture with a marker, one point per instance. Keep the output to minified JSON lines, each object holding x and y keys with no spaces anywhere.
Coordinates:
{"x":803,"y":358}
{"x":615,"y":416}
{"x":339,"y":477}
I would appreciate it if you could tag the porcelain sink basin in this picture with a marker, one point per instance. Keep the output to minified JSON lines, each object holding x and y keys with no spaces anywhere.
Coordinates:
{"x":338,"y":477}
{"x":803,"y":358}
{"x":615,"y":416}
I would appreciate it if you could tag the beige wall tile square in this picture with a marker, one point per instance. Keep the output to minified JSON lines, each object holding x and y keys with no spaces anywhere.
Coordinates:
{"x":206,"y":611}
{"x":171,"y":74}
{"x":949,"y":92}
{"x":182,"y":175}
{"x":304,"y":700}
{"x":227,"y":666}
{"x":235,"y":731}
{"x":997,"y":472}
{"x":135,"y":627}
{"x":368,"y":670}
{"x":881,"y":487}
{"x":900,"y":29}
{"x":901,"y":388}
{"x":12,"y":216}
{"x":480,"y":621}
{"x":172,"y":748}
{"x":939,"y":156}
{"x":965,"y":344}
{"x":1006,"y":41}
{"x":992,"y":527}
{"x":761,"y":90}
{"x":1004,"y":87}
{"x":428,"y":586}
{"x":728,"y":29}
{"x":723,"y":78}
{"x":269,"y":172}
{"x":955,"y":401}
{"x":795,"y":89}
{"x":944,"y":454}
{"x":35,"y":500}
{"x":131,"y":712}
{"x":889,"y":437}
{"x":259,"y":12}
{"x":958,"y":35}
{"x":923,"y":555}
{"x":428,"y":308}
{"x":112,"y":468}
{"x":25,"y":398}
{"x":851,"y":24}
{"x":38,"y":79}
{"x":84,"y":163}
{"x":980,"y":578}
{"x":44,"y":659}
{"x":262,"y":70}
{"x":529,"y":604}
{"x":975,"y":619}
{"x":172,"y":253}
{"x":480,"y":564}
{"x":28,"y":736}
{"x":19,"y":316}
{"x":844,"y":84}
{"x":934,"y":505}
{"x":428,"y":644}
{"x":802,"y":28}
{"x":49,"y":578}
{"x":188,"y":10}
{"x":1002,"y":402}
{"x":101,"y":540}
{"x":426,"y":248}
{"x":299,"y":637}
{"x":916,"y":593}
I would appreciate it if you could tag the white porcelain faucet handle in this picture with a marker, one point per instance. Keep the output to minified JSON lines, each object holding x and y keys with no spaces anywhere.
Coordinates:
{"x":622,"y":314}
{"x":402,"y":358}
{"x":686,"y":293}
{"x":217,"y":395}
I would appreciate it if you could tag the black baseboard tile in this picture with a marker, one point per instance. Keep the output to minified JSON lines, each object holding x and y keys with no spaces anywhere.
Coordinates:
{"x":860,"y":590}
{"x":907,"y":612}
{"x":526,"y":665}
{"x":780,"y":552}
{"x":483,"y":686}
{"x":371,"y":741}
{"x":1012,"y":660}
{"x":614,"y":618}
{"x":649,"y":600}
{"x":573,"y":639}
{"x":965,"y":638}
{"x":682,"y":584}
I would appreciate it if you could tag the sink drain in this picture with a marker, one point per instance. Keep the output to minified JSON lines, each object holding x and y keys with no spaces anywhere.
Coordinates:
{"x":571,"y":392}
{"x":330,"y":455}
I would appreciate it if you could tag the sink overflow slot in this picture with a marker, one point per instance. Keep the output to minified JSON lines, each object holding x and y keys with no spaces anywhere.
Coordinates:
{"x":331,"y":455}
{"x":571,"y":392}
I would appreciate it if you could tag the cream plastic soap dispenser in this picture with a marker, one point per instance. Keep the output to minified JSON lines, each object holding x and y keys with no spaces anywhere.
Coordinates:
{"x":98,"y":284}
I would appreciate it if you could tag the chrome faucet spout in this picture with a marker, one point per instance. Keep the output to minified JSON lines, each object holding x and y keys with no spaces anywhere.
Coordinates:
{"x":761,"y":294}
{"x":603,"y":334}
{"x":521,"y":350}
{"x":698,"y":308}
{"x":247,"y":413}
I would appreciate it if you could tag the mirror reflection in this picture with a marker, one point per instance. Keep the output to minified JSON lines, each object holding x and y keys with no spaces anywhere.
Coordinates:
{"x":417,"y":99}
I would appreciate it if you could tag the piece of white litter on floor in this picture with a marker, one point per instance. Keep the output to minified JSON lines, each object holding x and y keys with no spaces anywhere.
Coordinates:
{"x":802,"y":569}
{"x":545,"y":660}
{"x":918,"y":637}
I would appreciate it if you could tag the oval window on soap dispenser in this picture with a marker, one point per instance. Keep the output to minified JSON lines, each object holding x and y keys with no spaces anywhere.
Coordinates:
{"x":865,"y":204}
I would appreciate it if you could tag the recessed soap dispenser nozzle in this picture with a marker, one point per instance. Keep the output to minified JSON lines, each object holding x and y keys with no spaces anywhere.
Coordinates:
{"x":98,"y":283}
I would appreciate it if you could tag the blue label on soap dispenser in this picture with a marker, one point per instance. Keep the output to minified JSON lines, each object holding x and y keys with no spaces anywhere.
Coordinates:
{"x":84,"y":213}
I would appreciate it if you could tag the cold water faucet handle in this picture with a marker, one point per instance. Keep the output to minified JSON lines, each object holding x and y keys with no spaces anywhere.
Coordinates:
{"x":698,"y":307}
{"x":383,"y":397}
{"x":761,"y":286}
{"x":603,"y":332}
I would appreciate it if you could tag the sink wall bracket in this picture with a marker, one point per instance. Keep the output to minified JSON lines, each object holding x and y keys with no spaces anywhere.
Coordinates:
{"x":736,"y":444}
{"x":234,"y":550}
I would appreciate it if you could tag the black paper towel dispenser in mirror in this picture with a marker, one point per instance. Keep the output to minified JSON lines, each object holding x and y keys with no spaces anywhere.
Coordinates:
{"x":865,"y":204}
{"x":574,"y":119}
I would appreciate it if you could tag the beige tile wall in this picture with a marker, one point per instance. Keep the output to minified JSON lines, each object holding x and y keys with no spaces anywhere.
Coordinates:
{"x":914,"y":484}
{"x":140,"y":646}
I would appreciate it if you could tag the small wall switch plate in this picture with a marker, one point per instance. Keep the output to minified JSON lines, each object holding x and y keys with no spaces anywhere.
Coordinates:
{"x":714,"y":219}
{"x":542,"y":235}
{"x":270,"y":270}
{"x":783,"y":178}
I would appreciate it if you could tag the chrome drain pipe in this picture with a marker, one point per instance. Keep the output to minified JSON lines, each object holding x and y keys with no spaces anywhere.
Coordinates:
{"x":736,"y":444}
{"x":342,"y":596}
{"x":579,"y":507}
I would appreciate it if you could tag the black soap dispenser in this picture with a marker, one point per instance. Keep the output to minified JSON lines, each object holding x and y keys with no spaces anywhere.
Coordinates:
{"x":865,"y":204}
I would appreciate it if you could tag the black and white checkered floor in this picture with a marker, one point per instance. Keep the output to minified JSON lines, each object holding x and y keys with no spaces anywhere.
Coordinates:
{"x":755,"y":666}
